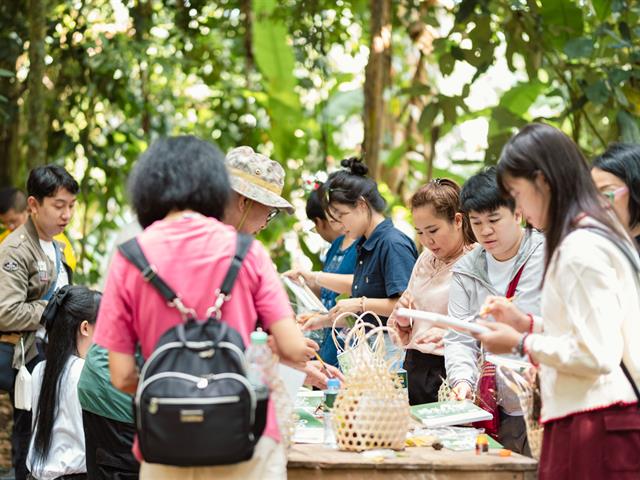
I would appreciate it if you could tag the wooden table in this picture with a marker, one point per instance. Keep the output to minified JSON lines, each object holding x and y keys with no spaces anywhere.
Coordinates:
{"x":308,"y":462}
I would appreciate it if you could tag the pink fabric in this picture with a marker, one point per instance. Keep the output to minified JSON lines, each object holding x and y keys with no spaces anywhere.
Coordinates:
{"x":429,"y":287}
{"x":192,"y":254}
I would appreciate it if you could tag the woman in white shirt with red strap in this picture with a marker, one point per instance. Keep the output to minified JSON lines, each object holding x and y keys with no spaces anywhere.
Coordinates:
{"x":588,"y":353}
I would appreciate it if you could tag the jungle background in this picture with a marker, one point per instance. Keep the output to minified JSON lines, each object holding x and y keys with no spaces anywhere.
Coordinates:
{"x":418,"y":88}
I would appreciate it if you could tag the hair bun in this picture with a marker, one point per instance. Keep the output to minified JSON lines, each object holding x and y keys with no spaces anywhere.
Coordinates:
{"x":355,"y":166}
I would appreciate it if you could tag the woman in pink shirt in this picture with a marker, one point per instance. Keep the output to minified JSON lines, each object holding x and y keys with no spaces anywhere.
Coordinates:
{"x":179,"y":188}
{"x":446,"y":234}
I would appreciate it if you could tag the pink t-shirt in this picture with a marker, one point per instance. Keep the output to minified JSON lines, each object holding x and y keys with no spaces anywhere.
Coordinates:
{"x":192,"y":254}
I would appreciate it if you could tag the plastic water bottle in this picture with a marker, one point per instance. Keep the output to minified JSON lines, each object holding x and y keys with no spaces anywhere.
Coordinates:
{"x":258,"y":356}
{"x":330,"y":394}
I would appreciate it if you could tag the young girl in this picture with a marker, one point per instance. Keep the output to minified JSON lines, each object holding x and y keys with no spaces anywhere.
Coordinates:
{"x":588,"y":355}
{"x":446,"y":234}
{"x":57,"y":443}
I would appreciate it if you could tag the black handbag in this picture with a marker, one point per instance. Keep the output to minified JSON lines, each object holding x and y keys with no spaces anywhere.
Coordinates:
{"x":7,"y":372}
{"x":194,"y":405}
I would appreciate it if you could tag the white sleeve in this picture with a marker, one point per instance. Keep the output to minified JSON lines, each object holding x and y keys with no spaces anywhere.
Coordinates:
{"x":461,"y":351}
{"x":589,"y":293}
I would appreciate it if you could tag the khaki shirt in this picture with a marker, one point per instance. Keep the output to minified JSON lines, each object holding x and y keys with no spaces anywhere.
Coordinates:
{"x":26,"y":274}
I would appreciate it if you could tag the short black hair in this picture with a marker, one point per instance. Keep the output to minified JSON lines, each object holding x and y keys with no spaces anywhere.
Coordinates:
{"x":179,"y":173}
{"x":314,"y":206}
{"x":46,"y":180}
{"x":623,"y":161}
{"x":481,"y":194}
{"x":11,"y":197}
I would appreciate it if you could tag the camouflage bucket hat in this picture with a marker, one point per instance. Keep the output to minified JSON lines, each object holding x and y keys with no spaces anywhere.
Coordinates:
{"x":257,"y":177}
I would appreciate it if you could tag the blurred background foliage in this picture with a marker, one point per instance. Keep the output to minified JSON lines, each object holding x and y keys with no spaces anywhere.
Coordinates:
{"x":420,"y":89}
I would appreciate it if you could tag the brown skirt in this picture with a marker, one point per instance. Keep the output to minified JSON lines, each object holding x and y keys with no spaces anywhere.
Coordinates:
{"x":599,"y":445}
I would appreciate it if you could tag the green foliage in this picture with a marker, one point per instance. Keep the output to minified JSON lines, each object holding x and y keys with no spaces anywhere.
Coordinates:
{"x":278,"y":75}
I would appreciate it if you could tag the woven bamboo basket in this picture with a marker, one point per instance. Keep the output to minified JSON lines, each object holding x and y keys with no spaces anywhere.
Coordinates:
{"x":529,"y":395}
{"x":372,"y":409}
{"x":344,"y":355}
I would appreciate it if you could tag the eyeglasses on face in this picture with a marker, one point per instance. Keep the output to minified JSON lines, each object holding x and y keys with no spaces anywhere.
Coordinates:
{"x":272,"y":214}
{"x":611,"y":195}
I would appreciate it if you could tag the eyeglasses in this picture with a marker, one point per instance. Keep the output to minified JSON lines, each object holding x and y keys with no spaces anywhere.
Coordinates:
{"x":272,"y":214}
{"x":611,"y":195}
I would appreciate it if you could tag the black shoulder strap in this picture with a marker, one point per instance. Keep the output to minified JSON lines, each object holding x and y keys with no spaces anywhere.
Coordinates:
{"x":636,"y":268}
{"x":131,"y":251}
{"x":243,"y":243}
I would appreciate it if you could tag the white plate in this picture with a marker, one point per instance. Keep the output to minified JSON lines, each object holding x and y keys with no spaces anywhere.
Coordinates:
{"x":442,"y":320}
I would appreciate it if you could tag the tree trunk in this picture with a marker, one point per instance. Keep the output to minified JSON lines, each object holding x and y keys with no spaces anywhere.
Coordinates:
{"x":36,"y":118}
{"x":377,"y":75}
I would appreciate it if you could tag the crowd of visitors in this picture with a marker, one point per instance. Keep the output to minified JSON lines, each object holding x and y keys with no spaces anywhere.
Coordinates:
{"x":542,"y":250}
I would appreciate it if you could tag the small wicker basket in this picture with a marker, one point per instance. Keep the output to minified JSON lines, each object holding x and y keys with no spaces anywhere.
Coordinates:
{"x":372,"y":408}
{"x":528,"y":392}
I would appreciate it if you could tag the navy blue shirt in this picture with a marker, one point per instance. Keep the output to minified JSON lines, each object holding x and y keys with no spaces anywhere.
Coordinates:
{"x":384,"y":263}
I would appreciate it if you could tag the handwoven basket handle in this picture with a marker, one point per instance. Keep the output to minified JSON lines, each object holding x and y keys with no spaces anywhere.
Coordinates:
{"x":361,"y":325}
{"x":334,"y":328}
{"x":516,"y":382}
{"x":379,"y":332}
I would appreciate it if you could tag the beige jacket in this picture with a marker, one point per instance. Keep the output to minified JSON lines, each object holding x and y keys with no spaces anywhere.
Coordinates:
{"x":591,"y":307}
{"x":23,"y":284}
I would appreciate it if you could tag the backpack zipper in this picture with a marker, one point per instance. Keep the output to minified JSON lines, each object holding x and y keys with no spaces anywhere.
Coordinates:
{"x":196,"y":380}
{"x":155,"y":401}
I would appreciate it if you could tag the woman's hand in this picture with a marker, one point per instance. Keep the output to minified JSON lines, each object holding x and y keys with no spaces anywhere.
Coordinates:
{"x":504,"y":311}
{"x":352,"y":305}
{"x":297,"y":274}
{"x":317,"y":376}
{"x":462,"y":391}
{"x":434,"y":336}
{"x":314,"y":321}
{"x":405,"y":301}
{"x":502,"y":338}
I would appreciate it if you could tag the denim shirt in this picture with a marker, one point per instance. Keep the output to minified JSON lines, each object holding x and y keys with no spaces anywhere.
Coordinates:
{"x":337,"y":261}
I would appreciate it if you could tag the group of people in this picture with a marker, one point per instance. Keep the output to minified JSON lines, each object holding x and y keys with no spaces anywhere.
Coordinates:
{"x":542,"y":248}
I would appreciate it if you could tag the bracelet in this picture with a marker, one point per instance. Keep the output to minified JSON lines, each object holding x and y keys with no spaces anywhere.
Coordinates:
{"x":316,"y":283}
{"x":362,"y":308}
{"x":520,"y":348}
{"x":531,"y":322}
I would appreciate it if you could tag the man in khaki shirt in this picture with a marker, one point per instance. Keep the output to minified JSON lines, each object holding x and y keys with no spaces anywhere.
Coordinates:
{"x":32,"y":267}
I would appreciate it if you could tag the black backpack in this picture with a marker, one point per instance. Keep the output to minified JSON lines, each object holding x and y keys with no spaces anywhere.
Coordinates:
{"x":194,"y":405}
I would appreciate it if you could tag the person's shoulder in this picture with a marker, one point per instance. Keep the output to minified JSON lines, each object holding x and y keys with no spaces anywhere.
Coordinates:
{"x":75,"y":366}
{"x":15,"y":239}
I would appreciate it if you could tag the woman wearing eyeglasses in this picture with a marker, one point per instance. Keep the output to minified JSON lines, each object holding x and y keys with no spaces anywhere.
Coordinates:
{"x":616,"y":173}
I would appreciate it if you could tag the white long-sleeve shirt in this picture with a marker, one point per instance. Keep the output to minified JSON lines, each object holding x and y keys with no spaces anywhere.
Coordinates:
{"x":67,"y":452}
{"x":591,"y":312}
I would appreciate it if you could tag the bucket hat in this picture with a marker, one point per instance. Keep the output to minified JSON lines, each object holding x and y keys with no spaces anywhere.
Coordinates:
{"x":257,"y":177}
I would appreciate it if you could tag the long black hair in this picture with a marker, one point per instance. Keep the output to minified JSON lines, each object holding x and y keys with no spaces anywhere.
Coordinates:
{"x":623,"y":161}
{"x":351,"y":184}
{"x":542,"y":149}
{"x":65,"y":312}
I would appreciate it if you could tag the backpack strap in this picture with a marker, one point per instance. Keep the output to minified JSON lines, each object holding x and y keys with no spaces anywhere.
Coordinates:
{"x":131,"y":251}
{"x":243,"y":243}
{"x":223,"y":294}
{"x":636,"y":268}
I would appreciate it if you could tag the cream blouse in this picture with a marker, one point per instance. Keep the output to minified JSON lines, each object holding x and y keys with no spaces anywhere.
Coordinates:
{"x":429,"y":287}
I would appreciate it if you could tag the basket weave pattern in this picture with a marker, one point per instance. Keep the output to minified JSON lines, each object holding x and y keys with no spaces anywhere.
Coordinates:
{"x":372,"y":409}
